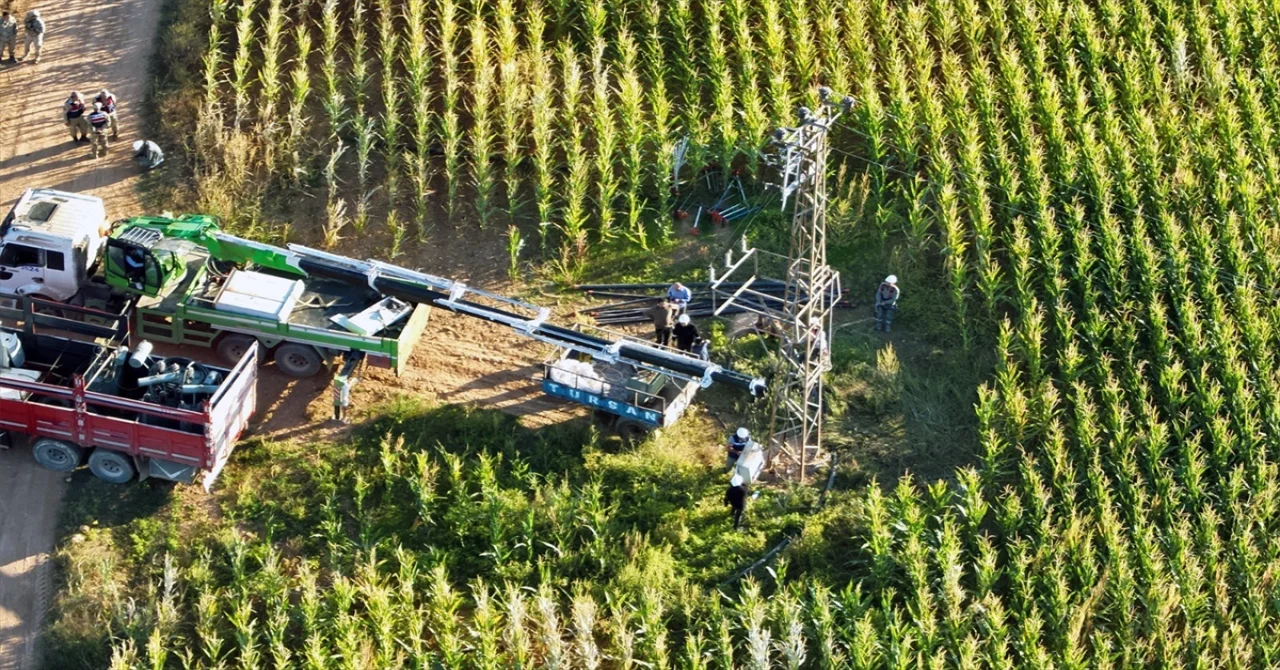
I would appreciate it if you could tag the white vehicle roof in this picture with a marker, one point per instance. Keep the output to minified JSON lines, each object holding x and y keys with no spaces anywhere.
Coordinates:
{"x":46,"y":215}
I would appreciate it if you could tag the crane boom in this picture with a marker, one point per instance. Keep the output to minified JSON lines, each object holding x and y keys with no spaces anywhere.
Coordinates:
{"x":416,"y":287}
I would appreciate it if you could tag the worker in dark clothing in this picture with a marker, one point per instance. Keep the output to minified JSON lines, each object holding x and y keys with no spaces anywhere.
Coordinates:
{"x":736,"y":497}
{"x":686,"y":333}
{"x":887,"y":302}
{"x":702,"y":349}
{"x":737,"y":444}
{"x":664,"y":317}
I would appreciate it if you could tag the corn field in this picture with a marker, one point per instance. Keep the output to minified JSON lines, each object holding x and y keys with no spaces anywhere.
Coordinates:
{"x":1096,"y":186}
{"x":562,"y":114}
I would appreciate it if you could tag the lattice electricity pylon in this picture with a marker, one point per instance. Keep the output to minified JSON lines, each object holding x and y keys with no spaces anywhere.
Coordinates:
{"x":802,"y":318}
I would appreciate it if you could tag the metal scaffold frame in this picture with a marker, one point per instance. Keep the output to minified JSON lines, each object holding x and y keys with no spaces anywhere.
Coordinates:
{"x":802,"y":318}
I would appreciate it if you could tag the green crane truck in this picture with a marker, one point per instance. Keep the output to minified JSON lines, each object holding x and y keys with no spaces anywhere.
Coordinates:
{"x":189,"y":283}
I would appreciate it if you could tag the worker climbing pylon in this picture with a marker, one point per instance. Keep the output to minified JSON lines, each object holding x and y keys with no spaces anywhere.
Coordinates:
{"x":887,"y":302}
{"x":73,"y":112}
{"x":98,"y":122}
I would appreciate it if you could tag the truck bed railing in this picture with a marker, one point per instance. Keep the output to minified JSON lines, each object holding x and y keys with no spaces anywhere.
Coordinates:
{"x":602,"y":387}
{"x":32,"y":314}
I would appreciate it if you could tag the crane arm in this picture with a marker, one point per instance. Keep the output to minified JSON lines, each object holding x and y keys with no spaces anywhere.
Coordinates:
{"x":421,"y":288}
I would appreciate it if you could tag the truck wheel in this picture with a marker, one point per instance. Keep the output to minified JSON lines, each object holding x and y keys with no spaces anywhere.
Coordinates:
{"x":604,"y":418}
{"x":111,"y":466}
{"x":231,"y":347}
{"x":298,"y":360}
{"x":57,"y":455}
{"x":631,"y":431}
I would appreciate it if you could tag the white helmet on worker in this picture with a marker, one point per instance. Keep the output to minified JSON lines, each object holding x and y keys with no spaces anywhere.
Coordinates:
{"x":891,"y":279}
{"x":743,"y":433}
{"x":137,"y":145}
{"x":736,"y":480}
{"x":683,"y":320}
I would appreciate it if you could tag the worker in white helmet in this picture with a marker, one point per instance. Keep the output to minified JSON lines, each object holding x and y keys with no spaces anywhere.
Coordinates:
{"x":686,"y":333}
{"x":738,"y":442}
{"x":736,"y":498}
{"x":887,"y":302}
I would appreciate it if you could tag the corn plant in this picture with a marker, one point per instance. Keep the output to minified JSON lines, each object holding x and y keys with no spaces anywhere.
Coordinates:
{"x":482,"y":133}
{"x":299,"y":94}
{"x":242,"y":64}
{"x":450,"y":124}
{"x":512,"y":97}
{"x":334,"y":102}
{"x":389,"y":41}
{"x":269,"y":76}
{"x":335,"y":209}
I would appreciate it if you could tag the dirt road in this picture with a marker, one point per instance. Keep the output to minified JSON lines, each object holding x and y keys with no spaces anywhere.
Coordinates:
{"x":29,"y":498}
{"x":90,"y":44}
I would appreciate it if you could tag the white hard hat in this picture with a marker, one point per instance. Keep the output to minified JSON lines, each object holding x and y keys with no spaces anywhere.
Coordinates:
{"x":743,"y":432}
{"x":684,"y":319}
{"x":137,"y":145}
{"x":736,"y":480}
{"x":891,"y":279}
{"x":97,"y":106}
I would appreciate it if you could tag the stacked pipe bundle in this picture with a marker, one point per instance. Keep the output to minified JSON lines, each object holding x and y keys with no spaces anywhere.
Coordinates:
{"x":631,"y":300}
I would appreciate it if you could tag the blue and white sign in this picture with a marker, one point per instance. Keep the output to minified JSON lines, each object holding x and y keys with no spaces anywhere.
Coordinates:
{"x":651,"y":417}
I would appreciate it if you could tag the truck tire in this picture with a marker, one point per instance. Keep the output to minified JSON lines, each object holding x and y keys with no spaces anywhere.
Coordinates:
{"x":111,"y":466}
{"x":57,"y":455}
{"x":231,"y":347}
{"x":298,"y":360}
{"x":605,"y":419}
{"x":631,"y":431}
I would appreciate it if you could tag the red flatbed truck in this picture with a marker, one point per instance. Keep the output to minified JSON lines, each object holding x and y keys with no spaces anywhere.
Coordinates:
{"x":125,"y":413}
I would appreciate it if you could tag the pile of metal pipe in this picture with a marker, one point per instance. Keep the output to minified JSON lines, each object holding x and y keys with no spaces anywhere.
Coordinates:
{"x":631,"y":301}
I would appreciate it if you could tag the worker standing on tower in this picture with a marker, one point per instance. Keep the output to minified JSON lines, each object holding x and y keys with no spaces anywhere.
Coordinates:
{"x":887,"y":302}
{"x":98,"y":122}
{"x":35,"y":35}
{"x":8,"y":36}
{"x":108,"y":103}
{"x":73,"y":112}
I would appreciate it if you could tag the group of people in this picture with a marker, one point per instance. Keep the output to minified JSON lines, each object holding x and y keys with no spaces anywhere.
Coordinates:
{"x":95,"y":121}
{"x":91,"y":121}
{"x":670,"y":322}
{"x":34,"y":27}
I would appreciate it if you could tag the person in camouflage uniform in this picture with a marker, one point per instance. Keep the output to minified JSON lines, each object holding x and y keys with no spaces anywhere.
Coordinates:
{"x":8,"y":36}
{"x":108,"y":102}
{"x":35,"y":35}
{"x":74,"y":112}
{"x":98,"y":122}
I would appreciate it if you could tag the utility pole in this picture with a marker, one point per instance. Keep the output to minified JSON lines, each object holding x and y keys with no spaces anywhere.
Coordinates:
{"x":802,"y":318}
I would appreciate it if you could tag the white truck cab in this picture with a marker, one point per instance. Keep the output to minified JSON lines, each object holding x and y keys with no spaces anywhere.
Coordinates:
{"x":49,"y":241}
